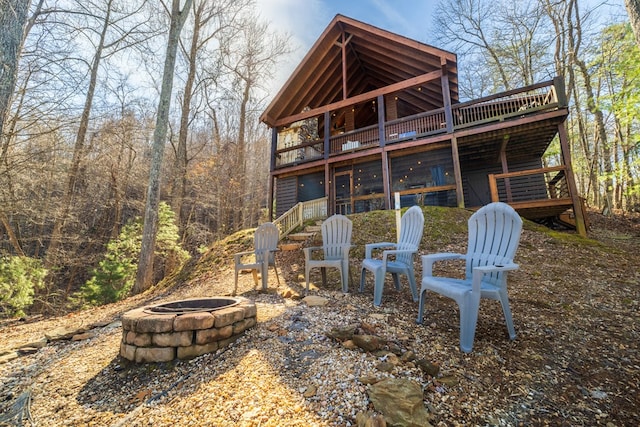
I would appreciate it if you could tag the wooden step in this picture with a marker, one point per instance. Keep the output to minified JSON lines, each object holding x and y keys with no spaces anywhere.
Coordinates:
{"x":298,"y":237}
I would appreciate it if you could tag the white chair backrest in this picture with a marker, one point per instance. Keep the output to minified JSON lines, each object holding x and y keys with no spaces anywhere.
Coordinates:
{"x":336,"y":232}
{"x":411,"y":226}
{"x":266,"y":236}
{"x":494,"y":234}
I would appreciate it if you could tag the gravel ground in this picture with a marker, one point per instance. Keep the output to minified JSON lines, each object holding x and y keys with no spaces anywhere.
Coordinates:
{"x":575,"y":361}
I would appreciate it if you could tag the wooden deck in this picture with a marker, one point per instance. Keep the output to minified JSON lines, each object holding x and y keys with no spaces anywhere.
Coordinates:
{"x":497,"y":108}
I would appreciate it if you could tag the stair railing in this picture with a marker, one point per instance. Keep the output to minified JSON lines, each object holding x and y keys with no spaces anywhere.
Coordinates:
{"x":298,"y":214}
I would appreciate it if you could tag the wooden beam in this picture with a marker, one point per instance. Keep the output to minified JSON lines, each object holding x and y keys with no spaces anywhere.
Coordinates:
{"x":457,"y":172}
{"x":361,"y":98}
{"x":345,"y":92}
{"x":446,"y":96}
{"x":505,"y":167}
{"x":577,"y":203}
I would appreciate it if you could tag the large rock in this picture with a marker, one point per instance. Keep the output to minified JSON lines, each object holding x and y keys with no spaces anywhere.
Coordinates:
{"x":343,"y":333}
{"x":400,"y":401}
{"x":315,"y":301}
{"x":369,"y":342}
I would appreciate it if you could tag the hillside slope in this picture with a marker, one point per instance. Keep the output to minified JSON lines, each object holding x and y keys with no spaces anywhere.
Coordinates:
{"x":575,"y":361}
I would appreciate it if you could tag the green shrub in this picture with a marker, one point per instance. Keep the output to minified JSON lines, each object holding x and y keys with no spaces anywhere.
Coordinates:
{"x":115,"y":275}
{"x":19,"y":277}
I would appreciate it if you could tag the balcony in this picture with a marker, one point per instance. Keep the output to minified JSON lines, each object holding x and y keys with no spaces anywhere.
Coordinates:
{"x":302,"y":141}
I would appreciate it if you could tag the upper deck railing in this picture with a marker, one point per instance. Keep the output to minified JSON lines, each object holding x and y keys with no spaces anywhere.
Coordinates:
{"x":543,"y":96}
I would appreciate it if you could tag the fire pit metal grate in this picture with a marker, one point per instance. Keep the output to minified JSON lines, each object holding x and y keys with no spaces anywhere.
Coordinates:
{"x":192,"y":306}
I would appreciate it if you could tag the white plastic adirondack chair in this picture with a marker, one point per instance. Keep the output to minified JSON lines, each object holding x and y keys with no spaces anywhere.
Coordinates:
{"x":398,"y":258}
{"x":336,"y":243}
{"x":266,"y":240}
{"x":494,"y":234}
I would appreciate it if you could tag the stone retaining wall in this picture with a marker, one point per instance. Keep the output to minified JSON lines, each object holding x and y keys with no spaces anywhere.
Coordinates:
{"x":162,"y":337}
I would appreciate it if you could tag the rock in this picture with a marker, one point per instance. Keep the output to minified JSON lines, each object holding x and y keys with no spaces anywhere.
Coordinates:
{"x":310,"y":391}
{"x":369,"y":379}
{"x":315,"y":301}
{"x":344,"y":333}
{"x":290,"y":294}
{"x":400,"y":401}
{"x":368,"y":342}
{"x":6,"y":357}
{"x":349,"y":345}
{"x":385,"y":367}
{"x":41,"y":343}
{"x":193,"y":321}
{"x":22,"y":351}
{"x":62,"y":333}
{"x":83,"y":336}
{"x":449,"y":381}
{"x":427,"y":367}
{"x":408,"y":356}
{"x":370,"y":420}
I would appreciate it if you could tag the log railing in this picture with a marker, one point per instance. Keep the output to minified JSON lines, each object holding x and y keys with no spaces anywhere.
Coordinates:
{"x":525,"y":186}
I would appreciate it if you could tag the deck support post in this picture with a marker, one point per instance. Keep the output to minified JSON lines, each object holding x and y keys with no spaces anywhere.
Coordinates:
{"x":327,"y":174}
{"x":272,"y":167}
{"x":446,"y":95}
{"x":575,"y":197}
{"x":456,"y":171}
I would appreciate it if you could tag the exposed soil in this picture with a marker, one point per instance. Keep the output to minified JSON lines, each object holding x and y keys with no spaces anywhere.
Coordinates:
{"x":575,"y":360}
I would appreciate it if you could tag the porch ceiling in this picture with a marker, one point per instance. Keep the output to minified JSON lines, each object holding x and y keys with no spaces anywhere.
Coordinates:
{"x":523,"y":141}
{"x":374,"y":59}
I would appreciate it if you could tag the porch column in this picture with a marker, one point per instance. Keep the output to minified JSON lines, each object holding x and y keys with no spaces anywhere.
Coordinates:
{"x":327,"y":175}
{"x":446,"y":95}
{"x":381,"y":120}
{"x":327,"y":134}
{"x":386,"y":180}
{"x":272,"y":166}
{"x":575,"y":197}
{"x":456,"y":171}
{"x":505,"y":166}
{"x":270,"y":197}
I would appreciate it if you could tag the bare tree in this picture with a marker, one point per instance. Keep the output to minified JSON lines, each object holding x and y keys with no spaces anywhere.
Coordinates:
{"x":251,"y":62}
{"x":467,"y":26}
{"x":214,"y":24}
{"x":145,"y":266}
{"x":112,"y":19}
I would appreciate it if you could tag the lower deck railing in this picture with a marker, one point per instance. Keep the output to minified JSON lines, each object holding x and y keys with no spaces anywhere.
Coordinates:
{"x":531,"y":186}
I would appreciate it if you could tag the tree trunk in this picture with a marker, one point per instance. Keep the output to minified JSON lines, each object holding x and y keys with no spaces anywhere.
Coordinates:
{"x":633,"y":9}
{"x":13,"y":19}
{"x":144,"y":274}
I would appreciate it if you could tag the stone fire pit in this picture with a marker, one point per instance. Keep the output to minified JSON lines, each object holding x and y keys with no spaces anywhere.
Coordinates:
{"x":184,"y":329}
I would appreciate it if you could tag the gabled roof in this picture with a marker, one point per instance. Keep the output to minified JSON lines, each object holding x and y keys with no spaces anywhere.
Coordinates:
{"x":374,"y":59}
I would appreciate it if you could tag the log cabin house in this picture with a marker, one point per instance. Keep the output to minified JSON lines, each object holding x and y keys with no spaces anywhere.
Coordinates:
{"x":369,"y":113}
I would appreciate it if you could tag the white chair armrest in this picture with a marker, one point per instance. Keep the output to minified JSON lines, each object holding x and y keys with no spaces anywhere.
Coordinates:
{"x":370,"y":247}
{"x":238,"y":256}
{"x":429,"y":260}
{"x":478,"y":272}
{"x":395,"y":252}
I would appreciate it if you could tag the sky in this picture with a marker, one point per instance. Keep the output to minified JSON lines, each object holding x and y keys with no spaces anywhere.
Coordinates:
{"x":305,"y":20}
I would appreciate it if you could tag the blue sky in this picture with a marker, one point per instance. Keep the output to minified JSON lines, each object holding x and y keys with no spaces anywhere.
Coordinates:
{"x":305,"y":20}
